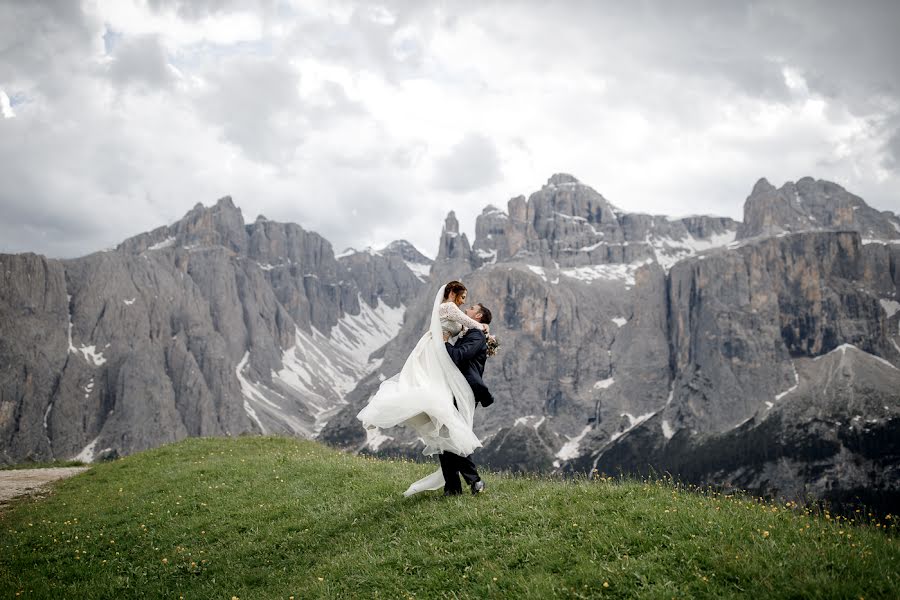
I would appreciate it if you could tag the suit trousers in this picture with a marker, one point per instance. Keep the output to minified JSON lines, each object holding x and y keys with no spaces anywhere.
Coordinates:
{"x":454,"y":465}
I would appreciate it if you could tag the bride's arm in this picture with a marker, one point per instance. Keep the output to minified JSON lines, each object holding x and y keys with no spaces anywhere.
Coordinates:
{"x":450,"y":310}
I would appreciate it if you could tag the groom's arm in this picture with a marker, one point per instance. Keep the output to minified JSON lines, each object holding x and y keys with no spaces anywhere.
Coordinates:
{"x":466,"y":348}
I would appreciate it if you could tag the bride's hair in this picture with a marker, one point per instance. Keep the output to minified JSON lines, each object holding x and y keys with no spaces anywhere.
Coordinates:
{"x":456,"y":287}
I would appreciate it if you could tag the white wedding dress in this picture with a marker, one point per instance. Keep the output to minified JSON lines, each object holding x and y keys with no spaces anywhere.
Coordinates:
{"x":421,"y":395}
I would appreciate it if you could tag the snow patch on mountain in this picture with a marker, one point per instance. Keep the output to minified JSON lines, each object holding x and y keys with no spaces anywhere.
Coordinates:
{"x":610,"y":272}
{"x":604,"y":383}
{"x":843,"y":348}
{"x":793,"y":387}
{"x":632,"y":423}
{"x":375,"y":438}
{"x":419,"y":270}
{"x":667,"y":430}
{"x":891,"y":307}
{"x":318,"y":370}
{"x":88,"y":453}
{"x":569,"y":450}
{"x":669,"y":251}
{"x":530,"y":421}
{"x":542,"y":273}
{"x":166,"y":243}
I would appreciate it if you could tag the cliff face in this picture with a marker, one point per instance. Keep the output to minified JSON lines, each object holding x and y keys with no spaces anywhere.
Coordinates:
{"x":568,"y":224}
{"x":205,"y":327}
{"x":636,"y":341}
{"x":784,"y":356}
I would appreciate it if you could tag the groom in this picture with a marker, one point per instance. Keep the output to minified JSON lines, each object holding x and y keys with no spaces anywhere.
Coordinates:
{"x":469,"y":355}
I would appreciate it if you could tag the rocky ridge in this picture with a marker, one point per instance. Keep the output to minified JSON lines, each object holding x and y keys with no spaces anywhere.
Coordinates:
{"x":208,"y":326}
{"x":635,"y":342}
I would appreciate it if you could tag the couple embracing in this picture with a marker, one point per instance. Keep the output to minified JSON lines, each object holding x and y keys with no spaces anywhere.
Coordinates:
{"x":437,"y":389}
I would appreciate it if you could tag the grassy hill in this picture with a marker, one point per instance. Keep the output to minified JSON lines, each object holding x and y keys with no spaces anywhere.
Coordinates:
{"x":268,"y":517}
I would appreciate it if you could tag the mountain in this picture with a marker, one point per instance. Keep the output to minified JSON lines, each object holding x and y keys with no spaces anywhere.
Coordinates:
{"x":698,"y":346}
{"x":811,"y":205}
{"x":760,"y":354}
{"x":205,"y":327}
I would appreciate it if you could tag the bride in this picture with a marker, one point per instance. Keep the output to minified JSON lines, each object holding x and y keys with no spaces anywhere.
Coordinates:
{"x":430,"y":395}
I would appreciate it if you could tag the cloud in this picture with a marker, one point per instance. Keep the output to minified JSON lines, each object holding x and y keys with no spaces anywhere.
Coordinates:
{"x":370,"y":121}
{"x":193,"y":10}
{"x":470,"y":164}
{"x":892,"y":154}
{"x":5,"y":107}
{"x":256,"y":104}
{"x":141,"y":60}
{"x":43,"y":45}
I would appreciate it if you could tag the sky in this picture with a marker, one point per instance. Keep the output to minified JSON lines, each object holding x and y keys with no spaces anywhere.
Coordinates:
{"x":369,"y":122}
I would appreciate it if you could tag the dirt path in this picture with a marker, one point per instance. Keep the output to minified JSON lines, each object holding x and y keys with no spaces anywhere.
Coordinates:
{"x":18,"y":482}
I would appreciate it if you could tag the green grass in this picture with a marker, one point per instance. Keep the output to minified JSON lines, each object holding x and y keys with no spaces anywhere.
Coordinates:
{"x":268,"y":517}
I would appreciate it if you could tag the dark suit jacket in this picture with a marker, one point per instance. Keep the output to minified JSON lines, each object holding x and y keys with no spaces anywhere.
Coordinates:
{"x":469,"y":355}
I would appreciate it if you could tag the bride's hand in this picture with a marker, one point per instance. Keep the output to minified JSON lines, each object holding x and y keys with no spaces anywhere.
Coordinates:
{"x":487,"y":329}
{"x":446,"y":336}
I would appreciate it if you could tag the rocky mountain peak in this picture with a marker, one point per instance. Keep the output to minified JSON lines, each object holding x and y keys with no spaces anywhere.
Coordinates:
{"x":496,"y":235}
{"x":562,"y":179}
{"x":407,"y":252}
{"x":569,"y":224}
{"x":219,"y":225}
{"x":517,"y":208}
{"x":762,"y":187}
{"x":453,"y":246}
{"x":451,"y":223}
{"x":809,"y":205}
{"x":225,"y":202}
{"x":565,"y":196}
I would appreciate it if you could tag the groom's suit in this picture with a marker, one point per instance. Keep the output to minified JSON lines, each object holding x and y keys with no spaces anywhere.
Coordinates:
{"x":469,"y":354}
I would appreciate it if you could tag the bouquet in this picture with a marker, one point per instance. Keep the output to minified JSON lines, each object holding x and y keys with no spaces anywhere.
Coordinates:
{"x":493,"y":344}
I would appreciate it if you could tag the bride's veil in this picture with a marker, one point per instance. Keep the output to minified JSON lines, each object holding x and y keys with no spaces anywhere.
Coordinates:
{"x":462,"y":392}
{"x":452,"y":378}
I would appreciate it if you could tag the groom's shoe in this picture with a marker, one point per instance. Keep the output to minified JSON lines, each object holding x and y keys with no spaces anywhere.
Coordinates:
{"x":478,"y":487}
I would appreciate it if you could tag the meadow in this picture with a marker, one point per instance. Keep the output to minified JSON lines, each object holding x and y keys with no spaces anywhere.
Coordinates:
{"x":274,"y":517}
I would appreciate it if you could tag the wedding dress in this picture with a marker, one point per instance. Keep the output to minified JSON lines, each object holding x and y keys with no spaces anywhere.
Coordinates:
{"x":421,"y":395}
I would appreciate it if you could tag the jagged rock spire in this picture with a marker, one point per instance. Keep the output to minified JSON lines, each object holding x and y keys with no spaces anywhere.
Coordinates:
{"x":454,"y":246}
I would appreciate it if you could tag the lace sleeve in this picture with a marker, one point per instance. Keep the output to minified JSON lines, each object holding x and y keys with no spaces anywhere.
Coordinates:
{"x":450,"y":311}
